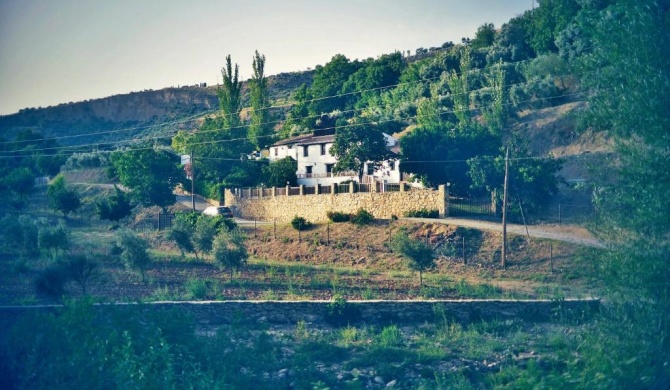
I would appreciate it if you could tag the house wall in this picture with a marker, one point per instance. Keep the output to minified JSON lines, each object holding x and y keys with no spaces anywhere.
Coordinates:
{"x":283,"y":208}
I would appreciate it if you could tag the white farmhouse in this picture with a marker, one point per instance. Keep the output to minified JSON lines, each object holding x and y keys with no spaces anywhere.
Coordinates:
{"x":315,"y":163}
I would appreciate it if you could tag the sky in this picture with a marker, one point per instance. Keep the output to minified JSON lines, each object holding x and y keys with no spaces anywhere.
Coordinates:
{"x":60,"y":51}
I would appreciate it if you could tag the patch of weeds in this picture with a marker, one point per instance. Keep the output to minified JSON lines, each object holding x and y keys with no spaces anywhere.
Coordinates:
{"x":270,"y":295}
{"x":300,"y":333}
{"x":339,"y":312}
{"x":164,"y":294}
{"x":368,"y":294}
{"x":390,"y":336}
{"x":483,"y":290}
{"x":197,"y":289}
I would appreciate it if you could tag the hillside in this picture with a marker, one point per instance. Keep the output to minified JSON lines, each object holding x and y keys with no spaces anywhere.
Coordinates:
{"x":142,"y":113}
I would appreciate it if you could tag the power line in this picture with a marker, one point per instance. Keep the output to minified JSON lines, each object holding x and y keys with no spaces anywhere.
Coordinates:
{"x":248,"y":138}
{"x":313,"y":116}
{"x":200,"y":115}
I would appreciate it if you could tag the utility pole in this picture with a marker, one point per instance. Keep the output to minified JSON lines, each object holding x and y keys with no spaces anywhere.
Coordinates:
{"x":504,"y":212}
{"x":192,"y":181}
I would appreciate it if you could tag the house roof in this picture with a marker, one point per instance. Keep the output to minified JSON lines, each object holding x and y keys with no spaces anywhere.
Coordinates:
{"x":318,"y":137}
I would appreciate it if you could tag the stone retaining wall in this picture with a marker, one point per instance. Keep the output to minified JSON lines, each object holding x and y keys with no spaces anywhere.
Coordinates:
{"x":283,"y":208}
{"x":214,"y":313}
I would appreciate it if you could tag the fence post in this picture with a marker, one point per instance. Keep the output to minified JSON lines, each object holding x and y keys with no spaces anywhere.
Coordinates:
{"x":390,"y":222}
{"x":299,"y":231}
{"x":551,"y":257}
{"x":465,"y":260}
{"x":255,"y":228}
{"x":302,"y":189}
{"x":559,"y":213}
{"x":275,"y":228}
{"x":288,"y":190}
{"x":328,"y":233}
{"x":351,"y":187}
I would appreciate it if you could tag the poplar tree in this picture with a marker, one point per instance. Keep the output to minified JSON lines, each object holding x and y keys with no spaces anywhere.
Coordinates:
{"x":259,"y":128}
{"x":230,"y":94}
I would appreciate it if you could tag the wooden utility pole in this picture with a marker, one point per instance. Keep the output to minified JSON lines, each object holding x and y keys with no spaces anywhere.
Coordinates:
{"x":503,"y":259}
{"x":192,"y":181}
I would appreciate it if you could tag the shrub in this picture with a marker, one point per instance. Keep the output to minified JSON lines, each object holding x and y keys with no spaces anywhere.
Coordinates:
{"x":362,"y":217}
{"x":336,"y":216}
{"x":52,"y":281}
{"x":80,"y":269}
{"x":300,"y":223}
{"x":229,"y":251}
{"x":53,"y":240}
{"x":423,"y":213}
{"x":339,"y":312}
{"x":134,"y":252}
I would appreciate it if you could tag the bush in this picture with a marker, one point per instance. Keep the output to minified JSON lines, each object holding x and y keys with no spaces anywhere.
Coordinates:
{"x":362,"y":217}
{"x":51,"y":281}
{"x":229,"y":251}
{"x":134,"y":252}
{"x":336,"y":216}
{"x":423,"y":213}
{"x":53,"y":240}
{"x":339,"y":312}
{"x":300,"y":223}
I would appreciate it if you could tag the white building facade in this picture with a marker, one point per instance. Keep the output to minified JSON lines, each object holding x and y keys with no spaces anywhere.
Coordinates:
{"x":316,"y":164}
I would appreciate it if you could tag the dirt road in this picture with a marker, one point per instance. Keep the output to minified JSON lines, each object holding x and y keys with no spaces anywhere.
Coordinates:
{"x":573,"y":234}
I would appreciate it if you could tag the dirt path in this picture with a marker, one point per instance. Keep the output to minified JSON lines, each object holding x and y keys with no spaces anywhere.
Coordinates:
{"x":572,"y":234}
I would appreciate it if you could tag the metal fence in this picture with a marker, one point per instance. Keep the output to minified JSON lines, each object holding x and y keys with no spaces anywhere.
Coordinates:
{"x":471,"y":207}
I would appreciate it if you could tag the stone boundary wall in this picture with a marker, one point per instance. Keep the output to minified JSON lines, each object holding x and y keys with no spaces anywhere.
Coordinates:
{"x":215,"y":313}
{"x":383,"y":205}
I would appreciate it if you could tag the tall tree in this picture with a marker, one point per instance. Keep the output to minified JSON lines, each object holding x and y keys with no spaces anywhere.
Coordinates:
{"x":328,"y":82}
{"x":628,"y":73}
{"x":357,"y":144}
{"x":149,"y":173}
{"x":230,"y":94}
{"x":62,"y":197}
{"x":260,"y":130}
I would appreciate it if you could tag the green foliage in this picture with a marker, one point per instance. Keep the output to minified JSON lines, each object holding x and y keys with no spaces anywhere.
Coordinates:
{"x":134,"y":252}
{"x":339,"y":312}
{"x":532,"y":182}
{"x":20,"y":234}
{"x":484,"y":36}
{"x":418,"y":253}
{"x":53,"y":240}
{"x":300,"y":223}
{"x":423,"y":213}
{"x":86,"y":160}
{"x":51,"y":282}
{"x":357,"y":144}
{"x":337,"y":216}
{"x":114,"y":207}
{"x":260,"y":131}
{"x":328,"y":82}
{"x":204,"y":233}
{"x":148,"y":173}
{"x":80,"y":269}
{"x":362,"y":217}
{"x":229,"y":250}
{"x":181,"y":233}
{"x":61,"y":197}
{"x":278,"y":173}
{"x":230,"y":94}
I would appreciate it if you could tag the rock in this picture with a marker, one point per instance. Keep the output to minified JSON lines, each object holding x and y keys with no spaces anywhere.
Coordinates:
{"x":379,"y":380}
{"x":391,"y":383}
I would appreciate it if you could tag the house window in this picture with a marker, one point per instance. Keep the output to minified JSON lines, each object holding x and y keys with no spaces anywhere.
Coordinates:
{"x":329,"y":168}
{"x":323,"y":149}
{"x":371,"y":169}
{"x":308,"y":171}
{"x":392,"y":165}
{"x":305,"y":151}
{"x":276,"y":152}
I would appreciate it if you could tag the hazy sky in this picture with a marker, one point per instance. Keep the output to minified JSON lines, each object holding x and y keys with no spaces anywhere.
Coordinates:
{"x":58,"y":51}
